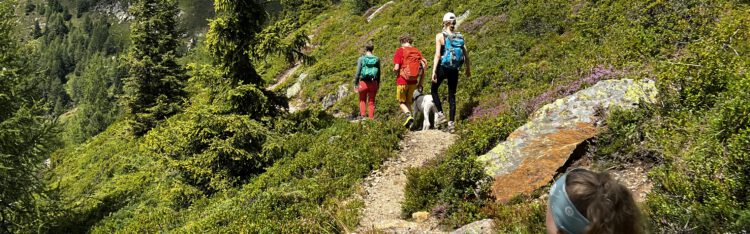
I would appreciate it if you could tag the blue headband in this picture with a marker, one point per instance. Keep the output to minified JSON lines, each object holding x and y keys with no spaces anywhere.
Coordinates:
{"x":564,"y":213}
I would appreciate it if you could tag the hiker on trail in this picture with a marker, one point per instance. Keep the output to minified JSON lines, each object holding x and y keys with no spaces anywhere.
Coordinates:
{"x":367,"y":80}
{"x":582,"y":201}
{"x":408,"y":60}
{"x":450,"y":56}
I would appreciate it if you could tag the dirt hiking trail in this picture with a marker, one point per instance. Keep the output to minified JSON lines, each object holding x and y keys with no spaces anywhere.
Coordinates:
{"x":384,"y":188}
{"x":284,"y":76}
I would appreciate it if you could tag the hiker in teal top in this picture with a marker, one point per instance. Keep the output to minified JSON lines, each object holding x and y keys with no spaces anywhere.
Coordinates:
{"x":367,"y":80}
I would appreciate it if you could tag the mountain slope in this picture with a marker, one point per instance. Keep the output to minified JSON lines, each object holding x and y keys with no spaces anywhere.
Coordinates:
{"x":524,"y":54}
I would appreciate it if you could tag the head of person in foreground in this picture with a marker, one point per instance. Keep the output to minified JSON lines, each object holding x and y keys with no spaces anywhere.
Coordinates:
{"x":587,"y":202}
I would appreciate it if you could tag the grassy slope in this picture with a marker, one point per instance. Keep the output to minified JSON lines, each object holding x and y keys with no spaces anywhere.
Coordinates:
{"x":514,"y":48}
{"x":520,"y":51}
{"x":115,"y":183}
{"x":528,"y":53}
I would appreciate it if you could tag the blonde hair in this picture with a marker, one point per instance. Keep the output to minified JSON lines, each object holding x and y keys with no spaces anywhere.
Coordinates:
{"x":608,"y":204}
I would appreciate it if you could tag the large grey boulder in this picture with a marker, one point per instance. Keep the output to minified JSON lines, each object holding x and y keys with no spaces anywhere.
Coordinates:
{"x":296,"y":87}
{"x":531,"y":155}
{"x":331,"y":99}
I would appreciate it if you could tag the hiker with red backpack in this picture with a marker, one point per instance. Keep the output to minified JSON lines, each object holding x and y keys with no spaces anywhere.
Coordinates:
{"x":450,"y":56}
{"x":367,"y":80}
{"x":408,"y":60}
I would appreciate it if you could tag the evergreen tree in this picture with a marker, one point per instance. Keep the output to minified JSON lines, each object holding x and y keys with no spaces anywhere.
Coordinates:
{"x":82,"y":6}
{"x":37,"y":33}
{"x":98,"y":36}
{"x":154,"y":87}
{"x":88,"y":26}
{"x":66,"y":14}
{"x":58,"y":29}
{"x":30,"y":7}
{"x":231,"y":38}
{"x":25,"y":134}
{"x":41,"y":10}
{"x":55,"y":6}
{"x":234,"y":40}
{"x":93,"y":92}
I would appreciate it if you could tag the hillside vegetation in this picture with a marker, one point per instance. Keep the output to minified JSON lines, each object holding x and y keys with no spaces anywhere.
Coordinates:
{"x":227,"y":157}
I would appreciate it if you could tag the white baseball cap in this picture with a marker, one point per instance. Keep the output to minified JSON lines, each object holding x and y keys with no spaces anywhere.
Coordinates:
{"x":449,"y":17}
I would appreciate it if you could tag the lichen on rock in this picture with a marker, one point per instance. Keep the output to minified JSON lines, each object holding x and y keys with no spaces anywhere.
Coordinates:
{"x":532,"y":154}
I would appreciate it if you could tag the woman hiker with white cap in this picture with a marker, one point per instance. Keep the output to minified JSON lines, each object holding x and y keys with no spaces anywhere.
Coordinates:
{"x":450,"y":55}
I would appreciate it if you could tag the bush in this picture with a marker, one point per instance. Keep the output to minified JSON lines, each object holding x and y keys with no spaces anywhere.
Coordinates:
{"x":213,"y":152}
{"x":359,"y":6}
{"x":703,"y":133}
{"x":623,"y":141}
{"x":523,"y":217}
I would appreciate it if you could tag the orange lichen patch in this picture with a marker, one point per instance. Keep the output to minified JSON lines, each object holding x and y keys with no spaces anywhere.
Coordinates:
{"x":545,"y":154}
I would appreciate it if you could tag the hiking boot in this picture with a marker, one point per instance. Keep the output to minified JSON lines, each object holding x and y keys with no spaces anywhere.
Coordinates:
{"x":409,"y":121}
{"x":440,"y":119}
{"x":451,"y":127}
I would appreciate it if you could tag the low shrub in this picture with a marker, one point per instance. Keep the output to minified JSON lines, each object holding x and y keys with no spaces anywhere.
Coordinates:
{"x":624,"y":140}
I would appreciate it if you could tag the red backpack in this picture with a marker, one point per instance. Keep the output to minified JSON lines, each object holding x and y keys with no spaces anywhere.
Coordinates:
{"x":410,"y":65}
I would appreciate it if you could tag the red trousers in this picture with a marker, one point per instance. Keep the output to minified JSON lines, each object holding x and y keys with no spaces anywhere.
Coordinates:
{"x":367,"y":91}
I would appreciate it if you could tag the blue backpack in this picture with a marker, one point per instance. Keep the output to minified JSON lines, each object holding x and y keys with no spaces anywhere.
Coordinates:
{"x":453,"y":55}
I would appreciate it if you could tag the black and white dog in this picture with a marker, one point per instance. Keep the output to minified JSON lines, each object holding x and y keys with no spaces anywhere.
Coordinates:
{"x":424,"y":104}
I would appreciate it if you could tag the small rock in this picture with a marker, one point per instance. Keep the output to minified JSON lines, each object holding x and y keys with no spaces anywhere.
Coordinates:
{"x":420,"y":216}
{"x":294,"y":90}
{"x":301,"y":77}
{"x":333,"y":138}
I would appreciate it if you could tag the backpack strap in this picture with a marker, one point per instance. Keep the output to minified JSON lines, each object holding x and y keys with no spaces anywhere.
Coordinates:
{"x":446,"y":40}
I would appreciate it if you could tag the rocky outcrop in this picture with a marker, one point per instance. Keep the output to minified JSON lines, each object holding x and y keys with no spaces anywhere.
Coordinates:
{"x":331,"y":99}
{"x":532,"y":154}
{"x":296,"y":87}
{"x":484,"y":226}
{"x":116,"y":9}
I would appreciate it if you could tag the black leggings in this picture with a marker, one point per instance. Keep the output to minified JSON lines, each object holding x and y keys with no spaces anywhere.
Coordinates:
{"x":452,"y":77}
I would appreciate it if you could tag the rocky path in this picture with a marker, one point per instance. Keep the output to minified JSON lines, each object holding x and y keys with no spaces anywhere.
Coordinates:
{"x":284,"y":76}
{"x":371,"y":16}
{"x":385,"y":188}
